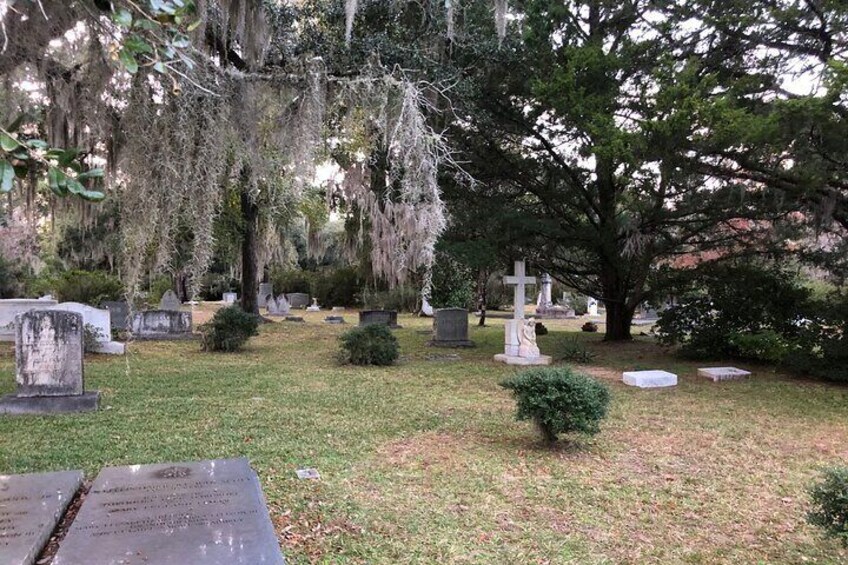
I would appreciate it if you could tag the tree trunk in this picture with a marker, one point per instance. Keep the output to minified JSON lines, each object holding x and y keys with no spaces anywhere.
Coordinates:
{"x":481,"y":293}
{"x":619,"y":319}
{"x":249,"y":271}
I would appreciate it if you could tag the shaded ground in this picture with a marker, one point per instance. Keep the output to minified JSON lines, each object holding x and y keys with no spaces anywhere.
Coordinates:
{"x":424,"y":462}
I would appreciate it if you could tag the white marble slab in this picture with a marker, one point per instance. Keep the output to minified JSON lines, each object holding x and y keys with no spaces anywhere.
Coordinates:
{"x":649,"y":379}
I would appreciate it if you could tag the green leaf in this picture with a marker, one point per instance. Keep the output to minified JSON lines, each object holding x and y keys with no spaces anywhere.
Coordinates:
{"x":67,"y":156}
{"x":128,"y":60}
{"x":93,"y":195}
{"x":57,"y":181}
{"x":75,"y":186}
{"x":13,"y":127}
{"x":159,"y":67}
{"x":8,"y":143}
{"x":194,"y":25}
{"x":123,"y":17}
{"x":91,"y":174}
{"x":7,"y":176}
{"x":37,"y":143}
{"x":137,"y":45}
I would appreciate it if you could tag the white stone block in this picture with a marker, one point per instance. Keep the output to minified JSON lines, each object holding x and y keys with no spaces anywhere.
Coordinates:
{"x":649,"y":379}
{"x":511,"y":342}
{"x":516,"y":360}
{"x":717,"y":374}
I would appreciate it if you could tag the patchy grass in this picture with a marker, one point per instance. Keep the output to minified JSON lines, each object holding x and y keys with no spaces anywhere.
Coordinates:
{"x":424,"y":462}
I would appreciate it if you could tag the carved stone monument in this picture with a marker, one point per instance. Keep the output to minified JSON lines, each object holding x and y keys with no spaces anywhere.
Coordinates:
{"x":98,"y":321}
{"x":10,"y":308}
{"x":119,"y":311}
{"x":450,"y":328}
{"x":279,"y":307}
{"x":298,"y":300}
{"x":314,"y":307}
{"x":229,"y":297}
{"x":384,"y":317}
{"x":592,"y":306}
{"x":30,"y":507}
{"x":49,"y":365}
{"x":262,"y":296}
{"x":162,"y":325}
{"x":170,"y":301}
{"x":203,"y":513}
{"x":649,"y":379}
{"x":519,"y":347}
{"x":718,"y":374}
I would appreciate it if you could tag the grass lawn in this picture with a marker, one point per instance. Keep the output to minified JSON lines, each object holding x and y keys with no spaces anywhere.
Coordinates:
{"x":424,"y":462}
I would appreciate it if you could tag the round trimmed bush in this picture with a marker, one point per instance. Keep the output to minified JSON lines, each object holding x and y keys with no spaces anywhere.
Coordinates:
{"x":559,"y":401}
{"x":370,"y":345}
{"x":830,"y":503}
{"x":228,"y":330}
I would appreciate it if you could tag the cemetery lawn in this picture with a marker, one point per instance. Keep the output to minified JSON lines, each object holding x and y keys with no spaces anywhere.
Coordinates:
{"x":425,"y":463}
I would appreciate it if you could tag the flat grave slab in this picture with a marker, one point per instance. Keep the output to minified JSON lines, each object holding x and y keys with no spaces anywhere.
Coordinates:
{"x":30,"y":507}
{"x":649,"y":379}
{"x":723,"y":373}
{"x":202,"y":513}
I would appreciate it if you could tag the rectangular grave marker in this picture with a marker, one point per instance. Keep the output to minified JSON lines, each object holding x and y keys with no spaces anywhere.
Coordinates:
{"x":30,"y":507}
{"x":203,"y":513}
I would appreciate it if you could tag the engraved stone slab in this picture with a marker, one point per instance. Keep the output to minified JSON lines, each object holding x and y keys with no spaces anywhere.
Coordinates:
{"x":100,"y":322}
{"x":170,"y":301}
{"x":162,"y":324}
{"x":49,"y":353}
{"x":649,"y":379}
{"x":230,"y":297}
{"x":119,"y":311}
{"x":9,"y":310}
{"x":30,"y":507}
{"x":298,"y":300}
{"x":723,"y":373}
{"x":199,"y":513}
{"x":450,"y":326}
{"x":380,"y":317}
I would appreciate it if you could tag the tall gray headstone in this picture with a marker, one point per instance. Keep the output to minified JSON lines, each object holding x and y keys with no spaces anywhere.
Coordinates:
{"x":203,"y":513}
{"x":119,"y":311}
{"x":170,"y":301}
{"x":49,"y":365}
{"x":450,"y":328}
{"x":298,"y":300}
{"x":262,"y":296}
{"x":30,"y":507}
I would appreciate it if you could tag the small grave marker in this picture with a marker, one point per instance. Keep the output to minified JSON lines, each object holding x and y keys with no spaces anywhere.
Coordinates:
{"x":717,"y":374}
{"x":308,"y":474}
{"x":649,"y":379}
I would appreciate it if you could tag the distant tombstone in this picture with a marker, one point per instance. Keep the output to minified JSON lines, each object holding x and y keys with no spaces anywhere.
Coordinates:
{"x":718,"y":374}
{"x":296,"y":319}
{"x":10,"y":308}
{"x":119,"y":311}
{"x":450,"y":328}
{"x":334,"y":320}
{"x":298,"y":300}
{"x":262,"y":296}
{"x":170,"y":301}
{"x":162,"y":325}
{"x":649,"y":379}
{"x":314,"y":307}
{"x":98,"y":321}
{"x":30,"y":507}
{"x":49,"y":365}
{"x":205,"y":512}
{"x":426,"y":307}
{"x":338,"y":309}
{"x":592,"y":306}
{"x":519,"y":334}
{"x":230,"y":297}
{"x":378,"y":317}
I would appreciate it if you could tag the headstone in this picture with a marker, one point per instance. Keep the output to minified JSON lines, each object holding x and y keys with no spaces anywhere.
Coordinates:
{"x":717,"y":374}
{"x":9,"y":309}
{"x":520,"y":335}
{"x":49,"y":365}
{"x":547,"y":283}
{"x":170,"y":301}
{"x":314,"y":307}
{"x":592,"y":306}
{"x":264,"y":290}
{"x":30,"y":507}
{"x":450,"y":328}
{"x":162,"y":325}
{"x":119,"y":311}
{"x":382,"y":317}
{"x":98,"y":321}
{"x":296,"y":319}
{"x":649,"y":379}
{"x":204,"y":513}
{"x":338,"y":309}
{"x":334,"y":320}
{"x":308,"y":474}
{"x":298,"y":300}
{"x":278,"y":306}
{"x":229,"y":297}
{"x":426,"y":307}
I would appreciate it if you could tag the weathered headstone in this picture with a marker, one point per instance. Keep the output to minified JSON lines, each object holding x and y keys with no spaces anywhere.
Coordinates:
{"x":314,"y":307}
{"x":592,"y":306}
{"x":426,"y":307}
{"x":30,"y":507}
{"x":119,"y":311}
{"x":162,"y":324}
{"x":262,"y":296}
{"x":338,"y":309}
{"x":717,"y":374}
{"x":9,"y":309}
{"x":450,"y":328}
{"x":229,"y":297}
{"x":170,"y":301}
{"x":520,"y":335}
{"x":298,"y":300}
{"x":98,"y":321}
{"x":379,"y":317}
{"x":49,"y":365}
{"x":649,"y":379}
{"x":334,"y":320}
{"x":278,"y":306}
{"x":203,"y":513}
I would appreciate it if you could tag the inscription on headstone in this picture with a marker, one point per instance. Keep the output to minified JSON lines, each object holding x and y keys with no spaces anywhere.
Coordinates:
{"x":30,"y":507}
{"x":170,"y":301}
{"x":204,"y":513}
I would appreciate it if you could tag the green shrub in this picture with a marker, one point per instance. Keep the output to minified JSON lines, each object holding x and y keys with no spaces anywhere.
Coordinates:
{"x":830,"y":503}
{"x":288,"y":281}
{"x":453,"y":283}
{"x":370,"y":345}
{"x":766,"y":346}
{"x":338,"y":287}
{"x":158,"y":287}
{"x":86,"y":287}
{"x":559,"y":401}
{"x":400,"y":299}
{"x":214,"y":285}
{"x":590,"y":327}
{"x":228,"y":330}
{"x":90,"y":338}
{"x":8,"y":277}
{"x":573,"y":350}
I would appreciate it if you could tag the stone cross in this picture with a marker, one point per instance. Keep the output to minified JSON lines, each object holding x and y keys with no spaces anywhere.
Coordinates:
{"x":519,"y":280}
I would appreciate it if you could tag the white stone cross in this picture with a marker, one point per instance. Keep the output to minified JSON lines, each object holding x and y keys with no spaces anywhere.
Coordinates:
{"x":519,"y":280}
